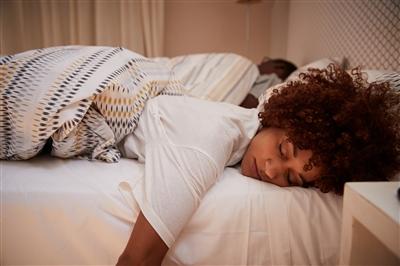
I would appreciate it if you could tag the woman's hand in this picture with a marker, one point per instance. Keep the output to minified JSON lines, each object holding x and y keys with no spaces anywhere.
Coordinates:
{"x":145,"y":246}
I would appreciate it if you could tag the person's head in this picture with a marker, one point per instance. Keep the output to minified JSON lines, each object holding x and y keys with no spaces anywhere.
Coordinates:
{"x":273,"y":158}
{"x":325,"y":129}
{"x":282,"y":68}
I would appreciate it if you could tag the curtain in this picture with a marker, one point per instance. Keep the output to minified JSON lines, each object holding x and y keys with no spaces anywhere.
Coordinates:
{"x":134,"y":24}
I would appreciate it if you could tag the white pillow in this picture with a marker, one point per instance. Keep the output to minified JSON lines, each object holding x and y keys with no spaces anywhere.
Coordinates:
{"x":243,"y":221}
{"x":372,"y":75}
{"x":264,"y":82}
{"x":321,"y":63}
{"x":382,"y":76}
{"x":265,"y":96}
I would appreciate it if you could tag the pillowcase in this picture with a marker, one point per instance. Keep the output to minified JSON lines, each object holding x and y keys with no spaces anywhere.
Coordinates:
{"x":264,"y":82}
{"x":321,"y":63}
{"x":382,"y":76}
{"x":243,"y":221}
{"x":372,"y":75}
{"x":265,"y":96}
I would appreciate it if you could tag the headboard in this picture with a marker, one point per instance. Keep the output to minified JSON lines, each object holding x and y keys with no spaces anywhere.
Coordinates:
{"x":365,"y":32}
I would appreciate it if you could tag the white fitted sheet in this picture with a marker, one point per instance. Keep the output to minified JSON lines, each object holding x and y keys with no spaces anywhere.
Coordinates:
{"x":58,"y":211}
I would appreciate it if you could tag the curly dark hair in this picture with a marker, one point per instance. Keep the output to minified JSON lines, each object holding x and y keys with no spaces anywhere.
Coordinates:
{"x":351,"y":126}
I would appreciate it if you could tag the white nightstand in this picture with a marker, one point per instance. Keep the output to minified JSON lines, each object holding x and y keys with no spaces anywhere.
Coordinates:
{"x":371,"y":224}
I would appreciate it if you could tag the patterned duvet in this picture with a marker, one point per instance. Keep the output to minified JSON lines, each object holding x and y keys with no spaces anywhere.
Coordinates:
{"x":86,"y":99}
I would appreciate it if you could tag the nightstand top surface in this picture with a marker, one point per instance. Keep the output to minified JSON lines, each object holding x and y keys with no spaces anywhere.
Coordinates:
{"x":381,"y":194}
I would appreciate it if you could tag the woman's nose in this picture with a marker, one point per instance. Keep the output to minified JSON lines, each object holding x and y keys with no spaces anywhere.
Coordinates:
{"x":273,"y":169}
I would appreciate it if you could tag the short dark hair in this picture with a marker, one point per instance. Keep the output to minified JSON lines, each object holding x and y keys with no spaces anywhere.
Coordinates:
{"x":287,"y":66}
{"x":281,"y":67}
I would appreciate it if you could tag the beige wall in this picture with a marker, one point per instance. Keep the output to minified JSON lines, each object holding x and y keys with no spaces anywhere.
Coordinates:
{"x":278,"y":24}
{"x":198,"y":26}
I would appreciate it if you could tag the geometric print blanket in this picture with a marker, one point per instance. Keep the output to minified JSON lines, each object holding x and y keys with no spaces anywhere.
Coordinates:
{"x":85,"y":99}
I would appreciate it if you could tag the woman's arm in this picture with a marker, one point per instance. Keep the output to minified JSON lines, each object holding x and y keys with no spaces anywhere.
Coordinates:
{"x":145,"y":246}
{"x":250,"y":101}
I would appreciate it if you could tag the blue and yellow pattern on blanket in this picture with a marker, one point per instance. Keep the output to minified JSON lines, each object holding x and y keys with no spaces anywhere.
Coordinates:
{"x":85,"y":98}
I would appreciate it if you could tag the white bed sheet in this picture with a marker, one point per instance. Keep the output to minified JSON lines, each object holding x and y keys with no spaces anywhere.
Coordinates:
{"x":79,"y":212}
{"x":58,"y":211}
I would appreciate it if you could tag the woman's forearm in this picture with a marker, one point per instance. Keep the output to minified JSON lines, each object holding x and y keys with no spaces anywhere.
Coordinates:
{"x":145,"y":246}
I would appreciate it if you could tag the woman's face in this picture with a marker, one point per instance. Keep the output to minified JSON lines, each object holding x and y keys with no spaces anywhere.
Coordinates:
{"x":271,"y":158}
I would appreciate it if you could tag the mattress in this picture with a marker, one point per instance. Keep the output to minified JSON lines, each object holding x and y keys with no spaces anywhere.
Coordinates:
{"x":56,"y":211}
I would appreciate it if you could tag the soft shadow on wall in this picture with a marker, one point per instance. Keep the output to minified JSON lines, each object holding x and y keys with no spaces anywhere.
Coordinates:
{"x":242,"y":27}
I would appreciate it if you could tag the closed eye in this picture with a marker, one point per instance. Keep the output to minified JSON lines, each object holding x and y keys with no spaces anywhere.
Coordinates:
{"x":282,"y":152}
{"x":288,"y":178}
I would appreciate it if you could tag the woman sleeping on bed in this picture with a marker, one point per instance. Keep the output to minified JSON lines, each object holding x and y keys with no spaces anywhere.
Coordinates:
{"x":324,"y":130}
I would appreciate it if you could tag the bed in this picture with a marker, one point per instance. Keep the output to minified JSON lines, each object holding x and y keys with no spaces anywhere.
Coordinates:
{"x":80,"y":212}
{"x":56,"y":211}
